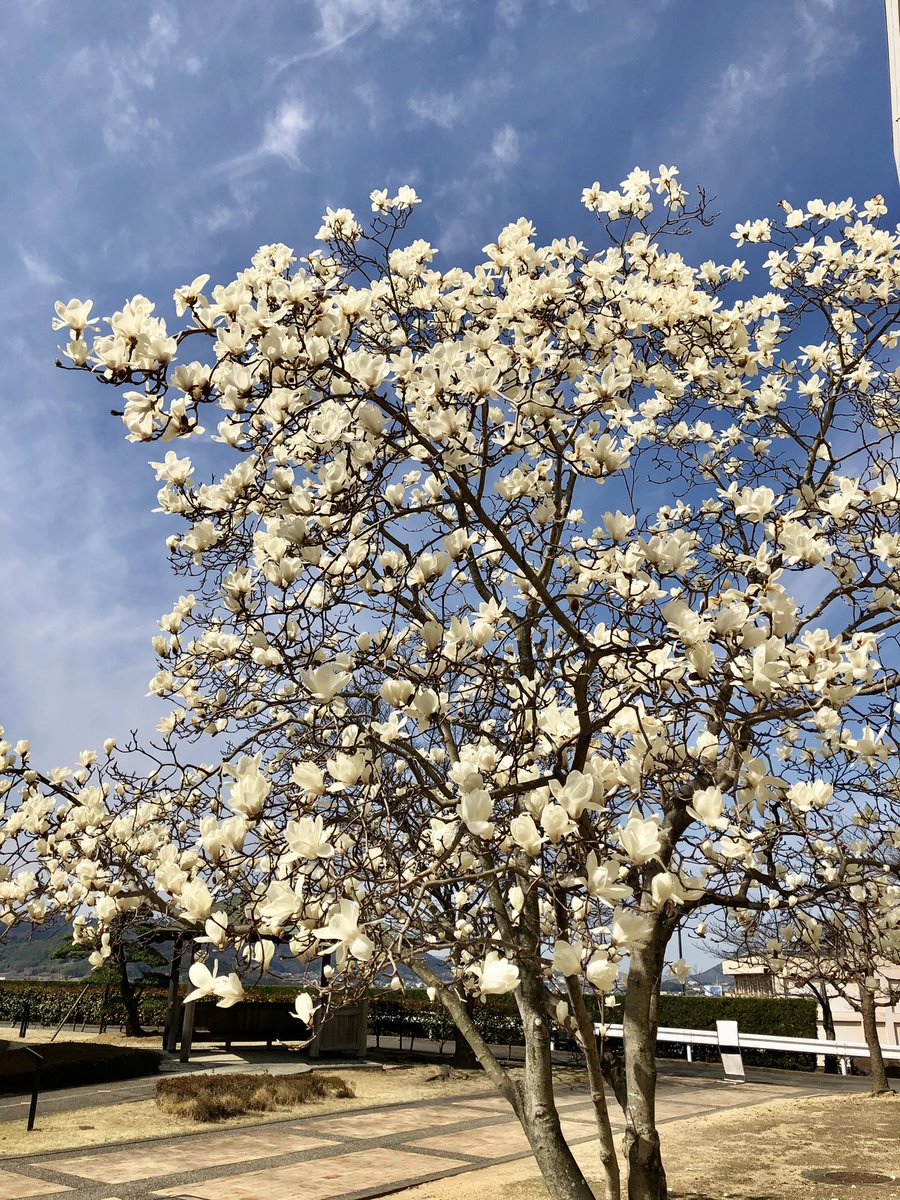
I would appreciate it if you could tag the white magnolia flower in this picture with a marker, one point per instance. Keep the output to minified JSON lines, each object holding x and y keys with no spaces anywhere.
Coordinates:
{"x":603,"y":881}
{"x":556,"y":822}
{"x":707,"y":806}
{"x":343,"y":931}
{"x":475,"y":810}
{"x":630,"y":928}
{"x":251,"y":787}
{"x":227,"y":988}
{"x":308,"y":838}
{"x":195,"y":900}
{"x":679,"y":970}
{"x":216,"y":930}
{"x":602,"y":971}
{"x":640,"y":838}
{"x":566,"y":958}
{"x":325,"y":682}
{"x":309,"y":778}
{"x":525,"y":834}
{"x":575,"y":794}
{"x":496,"y":975}
{"x":305,"y":1008}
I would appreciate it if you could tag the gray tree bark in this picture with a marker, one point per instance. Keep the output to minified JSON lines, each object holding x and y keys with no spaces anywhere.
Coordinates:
{"x":646,"y":1177}
{"x":531,"y":1098}
{"x":877,"y":1070}
{"x":539,"y":1117}
{"x":609,"y":1161}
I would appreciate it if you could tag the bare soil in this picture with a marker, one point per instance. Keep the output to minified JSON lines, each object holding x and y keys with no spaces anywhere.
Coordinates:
{"x":755,"y":1153}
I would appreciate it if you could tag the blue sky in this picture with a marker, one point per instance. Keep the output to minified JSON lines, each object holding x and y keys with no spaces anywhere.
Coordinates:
{"x":147,"y":142}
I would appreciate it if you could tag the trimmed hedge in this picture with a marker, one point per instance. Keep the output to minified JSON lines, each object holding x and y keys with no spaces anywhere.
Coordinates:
{"x":410,"y":1015}
{"x":50,"y":1001}
{"x":754,"y":1014}
{"x":73,"y":1064}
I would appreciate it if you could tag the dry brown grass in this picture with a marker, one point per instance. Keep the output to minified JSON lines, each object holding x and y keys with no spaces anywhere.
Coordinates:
{"x":761,"y":1152}
{"x":207,"y":1098}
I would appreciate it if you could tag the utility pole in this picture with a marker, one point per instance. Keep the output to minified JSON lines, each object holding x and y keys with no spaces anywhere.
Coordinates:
{"x":892,"y":15}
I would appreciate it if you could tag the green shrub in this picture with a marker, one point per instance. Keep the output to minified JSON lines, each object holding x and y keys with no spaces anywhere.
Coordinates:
{"x":73,"y":1064}
{"x":754,"y":1014}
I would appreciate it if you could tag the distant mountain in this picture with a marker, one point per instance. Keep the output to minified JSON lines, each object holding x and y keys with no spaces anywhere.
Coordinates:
{"x":26,"y":953}
{"x":714,"y":976}
{"x":26,"y":950}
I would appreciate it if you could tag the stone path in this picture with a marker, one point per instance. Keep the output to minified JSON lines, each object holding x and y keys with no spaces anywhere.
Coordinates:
{"x":367,"y":1152}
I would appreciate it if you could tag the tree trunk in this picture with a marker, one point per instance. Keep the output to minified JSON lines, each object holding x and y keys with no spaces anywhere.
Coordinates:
{"x":877,"y":1070}
{"x":464,"y":1057}
{"x":821,"y":994}
{"x":129,"y":1000}
{"x":532,"y":1101}
{"x":173,"y":1009}
{"x":608,"y":1159}
{"x":646,"y":1177}
{"x":536,"y":1109}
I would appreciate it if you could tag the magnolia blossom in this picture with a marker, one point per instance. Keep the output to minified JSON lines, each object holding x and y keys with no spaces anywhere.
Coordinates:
{"x":227,"y":988}
{"x":525,"y":833}
{"x":308,"y":838}
{"x":679,"y":970}
{"x":496,"y":975}
{"x":305,"y":1008}
{"x":630,"y":929}
{"x":566,"y":958}
{"x":575,"y":794}
{"x":640,"y":838}
{"x":325,"y":682}
{"x":602,"y":971}
{"x":343,"y":931}
{"x":251,"y":787}
{"x":475,"y":809}
{"x":195,"y":900}
{"x":707,"y":806}
{"x":216,"y":930}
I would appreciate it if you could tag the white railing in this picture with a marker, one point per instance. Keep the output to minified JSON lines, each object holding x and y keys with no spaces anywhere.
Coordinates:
{"x":760,"y":1041}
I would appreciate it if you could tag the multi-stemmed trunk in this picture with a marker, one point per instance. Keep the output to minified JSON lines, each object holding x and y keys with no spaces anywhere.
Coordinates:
{"x":877,"y":1070}
{"x":464,"y":1057}
{"x":830,"y":1061}
{"x":530,"y":1097}
{"x":536,"y":1107}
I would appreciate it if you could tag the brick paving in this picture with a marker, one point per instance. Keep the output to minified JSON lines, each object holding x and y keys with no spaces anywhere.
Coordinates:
{"x":364,"y":1153}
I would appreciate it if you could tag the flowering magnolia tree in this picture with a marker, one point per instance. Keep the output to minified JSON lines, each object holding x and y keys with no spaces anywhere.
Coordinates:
{"x":529,"y":610}
{"x":843,"y":942}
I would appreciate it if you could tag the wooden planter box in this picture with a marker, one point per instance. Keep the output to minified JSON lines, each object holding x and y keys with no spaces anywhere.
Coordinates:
{"x":344,"y":1032}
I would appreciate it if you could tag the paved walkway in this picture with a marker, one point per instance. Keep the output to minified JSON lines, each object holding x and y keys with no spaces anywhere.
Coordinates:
{"x":362,"y":1153}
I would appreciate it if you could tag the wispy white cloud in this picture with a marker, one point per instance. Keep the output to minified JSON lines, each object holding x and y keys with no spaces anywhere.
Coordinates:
{"x":505,"y":150}
{"x":510,"y":12}
{"x":342,"y":21}
{"x":437,"y":108}
{"x":750,"y":90}
{"x":234,"y":211}
{"x":447,"y":107}
{"x":283,"y":130}
{"x":37,"y":269}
